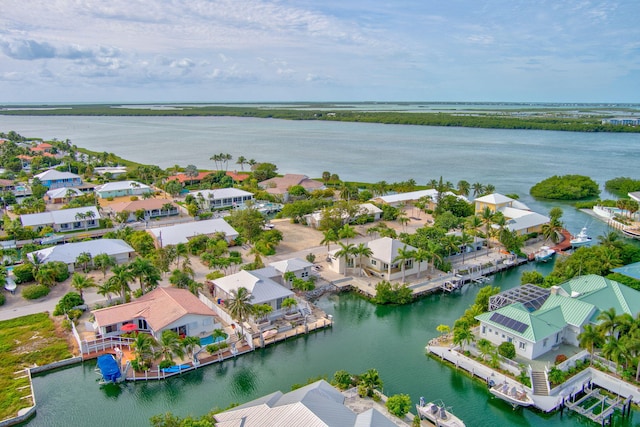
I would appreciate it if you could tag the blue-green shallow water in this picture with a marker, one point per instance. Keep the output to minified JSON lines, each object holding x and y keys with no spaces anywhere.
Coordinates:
{"x":390,"y":339}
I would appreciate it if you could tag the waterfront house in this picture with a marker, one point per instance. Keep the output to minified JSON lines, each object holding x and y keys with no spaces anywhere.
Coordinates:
{"x":518,"y":216}
{"x":316,"y":404}
{"x":280,"y":185}
{"x":382,"y":263}
{"x":117,"y":249}
{"x":61,"y":195}
{"x":299,"y":267}
{"x":63,"y":219}
{"x":262,"y":289}
{"x":181,"y":233}
{"x":223,"y":198}
{"x":364,"y":209}
{"x":122,"y":188}
{"x":56,"y":179}
{"x":159,"y":310}
{"x":190,"y":180}
{"x":110,"y":171}
{"x":535,"y":329}
{"x":408,"y":197}
{"x":145,"y":209}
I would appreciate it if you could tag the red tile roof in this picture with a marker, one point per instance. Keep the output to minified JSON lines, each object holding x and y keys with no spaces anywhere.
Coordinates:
{"x":160,"y":308}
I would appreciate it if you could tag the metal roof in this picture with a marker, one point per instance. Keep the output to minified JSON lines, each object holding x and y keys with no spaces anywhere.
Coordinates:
{"x":68,"y":252}
{"x":262,"y":288}
{"x":62,"y":216}
{"x":180,"y":233}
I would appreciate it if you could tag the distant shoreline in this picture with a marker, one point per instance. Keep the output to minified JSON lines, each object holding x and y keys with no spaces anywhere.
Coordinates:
{"x":562,"y":117}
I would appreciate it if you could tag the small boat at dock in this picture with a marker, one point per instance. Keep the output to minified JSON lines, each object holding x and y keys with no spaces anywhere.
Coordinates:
{"x":580,"y":239}
{"x":438,"y":414}
{"x":631,"y":233}
{"x":544,"y":254}
{"x":511,"y":394}
{"x":109,"y":369}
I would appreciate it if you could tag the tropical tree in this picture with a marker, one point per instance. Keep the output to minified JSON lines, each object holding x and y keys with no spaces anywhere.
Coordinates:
{"x":170,"y":345}
{"x":403,"y":256}
{"x":589,"y":338}
{"x":103,"y":262}
{"x":84,"y":259}
{"x":614,"y":350}
{"x":362,"y":250}
{"x":191,"y":171}
{"x":239,"y":305}
{"x":120,"y":280}
{"x":347,"y":232}
{"x":81,"y":282}
{"x":462,"y":334}
{"x":107,"y":289}
{"x":478,"y":189}
{"x":345,"y":251}
{"x":369,"y":381}
{"x":485,"y":347}
{"x":147,"y":274}
{"x":486,"y":216}
{"x":463,"y":188}
{"x":288,"y":303}
{"x":189,"y":344}
{"x":143,"y":348}
{"x":46,"y":275}
{"x":242,"y":160}
{"x":330,"y":236}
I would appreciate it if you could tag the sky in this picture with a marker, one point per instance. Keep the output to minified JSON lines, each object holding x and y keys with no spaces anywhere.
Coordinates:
{"x":319,"y":50}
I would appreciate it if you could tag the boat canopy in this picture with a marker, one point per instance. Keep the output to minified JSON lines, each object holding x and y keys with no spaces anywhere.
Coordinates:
{"x":109,"y":367}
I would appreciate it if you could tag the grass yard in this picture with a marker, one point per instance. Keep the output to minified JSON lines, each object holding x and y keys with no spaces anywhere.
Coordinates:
{"x":25,"y":341}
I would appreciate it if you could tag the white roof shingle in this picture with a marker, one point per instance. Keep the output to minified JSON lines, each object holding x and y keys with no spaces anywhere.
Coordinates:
{"x":180,"y":233}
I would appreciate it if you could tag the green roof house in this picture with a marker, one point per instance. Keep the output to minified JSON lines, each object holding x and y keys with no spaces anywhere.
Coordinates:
{"x":561,"y":318}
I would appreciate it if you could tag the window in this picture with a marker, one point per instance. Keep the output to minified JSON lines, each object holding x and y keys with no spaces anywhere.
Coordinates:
{"x":484,"y":330}
{"x":509,"y":339}
{"x":110,"y":328}
{"x":544,"y":342}
{"x":374,"y":262}
{"x":522,"y":345}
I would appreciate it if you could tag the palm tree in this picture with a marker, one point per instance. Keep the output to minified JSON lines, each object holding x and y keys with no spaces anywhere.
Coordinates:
{"x":104,"y":262}
{"x":362,"y":250}
{"x":609,"y":322}
{"x":88,"y":216}
{"x":80,"y":282}
{"x":478,"y":189}
{"x":288,"y":303}
{"x":486,"y":216}
{"x":239,"y":305}
{"x":143,"y":347}
{"x":242,"y":160}
{"x":106,"y":289}
{"x":170,"y":345}
{"x":84,"y":258}
{"x":420,"y":255}
{"x":552,"y":230}
{"x":463,"y":188}
{"x":403,"y":219}
{"x":614,"y":350}
{"x":462,"y":335}
{"x":181,"y":249}
{"x":464,"y":240}
{"x":120,"y":280}
{"x":369,"y":381}
{"x":147,"y":274}
{"x":46,"y":275}
{"x":484,"y":347}
{"x":589,"y":338}
{"x":345,"y":251}
{"x":330,"y":236}
{"x":347,"y":232}
{"x":191,"y":171}
{"x":610,"y":240}
{"x":189,"y":345}
{"x":403,"y":256}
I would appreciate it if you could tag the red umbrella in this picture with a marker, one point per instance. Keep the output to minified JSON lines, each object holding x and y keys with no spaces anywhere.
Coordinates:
{"x":129,"y":327}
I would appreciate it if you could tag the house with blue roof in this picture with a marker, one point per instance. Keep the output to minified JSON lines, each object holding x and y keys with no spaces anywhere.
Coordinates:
{"x":562,"y":316}
{"x":58,"y":179}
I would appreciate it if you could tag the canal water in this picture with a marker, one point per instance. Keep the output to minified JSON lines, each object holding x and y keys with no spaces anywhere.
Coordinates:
{"x":390,"y":339}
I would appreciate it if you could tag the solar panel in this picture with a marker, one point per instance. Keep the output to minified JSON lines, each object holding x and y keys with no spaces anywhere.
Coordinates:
{"x":508,"y":322}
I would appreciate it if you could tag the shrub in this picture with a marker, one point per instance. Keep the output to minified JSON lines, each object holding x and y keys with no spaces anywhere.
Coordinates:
{"x":35,"y":291}
{"x":507,"y":350}
{"x":23,"y":273}
{"x":67,"y":302}
{"x":560,"y":358}
{"x":165,"y":363}
{"x":74,"y":314}
{"x":62,"y":270}
{"x":133,"y":198}
{"x":342,"y":379}
{"x":567,"y":187}
{"x":399,"y":404}
{"x":66,"y":324}
{"x":2,"y":299}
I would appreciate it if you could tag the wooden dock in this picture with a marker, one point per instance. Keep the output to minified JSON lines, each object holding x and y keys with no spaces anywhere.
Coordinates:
{"x":598,"y":407}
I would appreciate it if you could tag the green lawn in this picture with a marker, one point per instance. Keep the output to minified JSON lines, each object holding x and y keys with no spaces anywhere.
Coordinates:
{"x":25,"y":341}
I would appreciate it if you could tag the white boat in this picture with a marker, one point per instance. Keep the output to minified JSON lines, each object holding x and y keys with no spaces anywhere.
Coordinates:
{"x":580,"y":239}
{"x":511,"y":394}
{"x":438,"y":414}
{"x":632,"y":233}
{"x":544,"y":254}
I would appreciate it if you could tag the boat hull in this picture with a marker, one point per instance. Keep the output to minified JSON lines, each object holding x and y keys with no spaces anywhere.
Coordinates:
{"x":448,"y":420}
{"x":518,"y":400}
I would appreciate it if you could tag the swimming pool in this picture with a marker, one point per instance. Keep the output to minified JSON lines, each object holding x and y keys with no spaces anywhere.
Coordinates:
{"x":209,"y":340}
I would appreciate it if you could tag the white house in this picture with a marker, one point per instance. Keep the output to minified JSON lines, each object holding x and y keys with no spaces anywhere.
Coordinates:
{"x":368,"y":209}
{"x":181,"y":233}
{"x":409,"y":197}
{"x":518,"y":216}
{"x":63,"y":219}
{"x":62,"y":195}
{"x":122,"y":188}
{"x":299,"y":267}
{"x":382,"y":263}
{"x":221,"y":198}
{"x":316,"y":404}
{"x":56,"y":179}
{"x":262,"y":289}
{"x":117,"y":249}
{"x":161,"y":309}
{"x":562,"y":316}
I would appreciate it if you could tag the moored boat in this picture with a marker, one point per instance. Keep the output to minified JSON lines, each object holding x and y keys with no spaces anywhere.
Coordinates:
{"x":438,"y":414}
{"x":109,"y":369}
{"x":544,"y":254}
{"x":631,"y":233}
{"x":580,"y":239}
{"x":510,"y":394}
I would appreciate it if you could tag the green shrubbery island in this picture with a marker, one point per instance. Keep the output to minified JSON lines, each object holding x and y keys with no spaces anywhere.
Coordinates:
{"x":566,"y":187}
